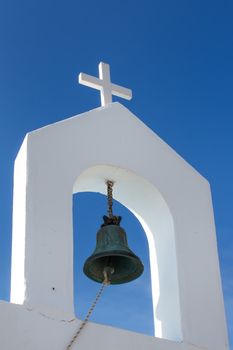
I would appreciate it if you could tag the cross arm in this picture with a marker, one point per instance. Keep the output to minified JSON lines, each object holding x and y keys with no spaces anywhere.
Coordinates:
{"x":121,"y":91}
{"x":88,"y":80}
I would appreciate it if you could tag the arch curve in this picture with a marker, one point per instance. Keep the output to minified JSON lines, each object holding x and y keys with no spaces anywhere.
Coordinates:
{"x":148,"y":205}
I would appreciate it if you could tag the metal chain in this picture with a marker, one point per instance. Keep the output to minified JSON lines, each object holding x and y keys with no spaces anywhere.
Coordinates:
{"x":110,"y":201}
{"x":105,"y":283}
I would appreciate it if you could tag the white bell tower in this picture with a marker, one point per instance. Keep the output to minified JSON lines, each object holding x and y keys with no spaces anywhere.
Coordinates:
{"x":170,"y":199}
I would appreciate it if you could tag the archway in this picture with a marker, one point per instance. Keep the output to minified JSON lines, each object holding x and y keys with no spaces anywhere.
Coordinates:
{"x":148,"y":205}
{"x":127,"y":306}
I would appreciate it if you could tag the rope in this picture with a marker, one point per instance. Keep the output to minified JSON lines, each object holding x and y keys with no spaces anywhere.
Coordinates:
{"x":108,"y":271}
{"x":109,"y":193}
{"x":105,"y":283}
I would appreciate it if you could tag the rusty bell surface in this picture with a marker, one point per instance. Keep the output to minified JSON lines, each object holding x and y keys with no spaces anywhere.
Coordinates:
{"x":112,"y":253}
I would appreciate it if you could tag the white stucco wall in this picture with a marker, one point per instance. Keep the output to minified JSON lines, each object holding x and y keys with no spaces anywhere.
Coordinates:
{"x":169,"y":197}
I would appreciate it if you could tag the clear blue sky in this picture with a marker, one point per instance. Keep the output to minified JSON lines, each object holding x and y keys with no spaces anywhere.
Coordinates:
{"x":176,"y":56}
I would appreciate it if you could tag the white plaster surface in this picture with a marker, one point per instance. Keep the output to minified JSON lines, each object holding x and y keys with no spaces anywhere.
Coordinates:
{"x":168,"y":196}
{"x":24,"y":329}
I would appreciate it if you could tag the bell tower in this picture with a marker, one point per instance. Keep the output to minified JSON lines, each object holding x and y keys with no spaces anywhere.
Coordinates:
{"x":172,"y":201}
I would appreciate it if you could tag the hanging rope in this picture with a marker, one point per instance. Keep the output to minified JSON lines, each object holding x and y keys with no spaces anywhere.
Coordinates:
{"x":105,"y":283}
{"x":108,"y":271}
{"x":109,"y":194}
{"x":110,"y":219}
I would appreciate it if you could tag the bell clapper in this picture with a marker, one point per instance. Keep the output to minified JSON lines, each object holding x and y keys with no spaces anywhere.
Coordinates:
{"x":107,"y":272}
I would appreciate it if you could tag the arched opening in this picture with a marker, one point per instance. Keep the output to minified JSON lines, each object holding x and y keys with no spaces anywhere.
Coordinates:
{"x":127,"y":306}
{"x":148,"y":205}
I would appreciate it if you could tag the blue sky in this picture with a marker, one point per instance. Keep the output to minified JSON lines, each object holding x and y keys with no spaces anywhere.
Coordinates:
{"x":177,"y":58}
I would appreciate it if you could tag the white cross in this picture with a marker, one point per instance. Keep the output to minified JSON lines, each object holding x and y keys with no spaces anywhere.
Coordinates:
{"x":103,"y":83}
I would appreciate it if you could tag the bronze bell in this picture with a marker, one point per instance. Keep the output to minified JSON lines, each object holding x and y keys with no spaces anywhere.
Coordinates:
{"x":113,"y":255}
